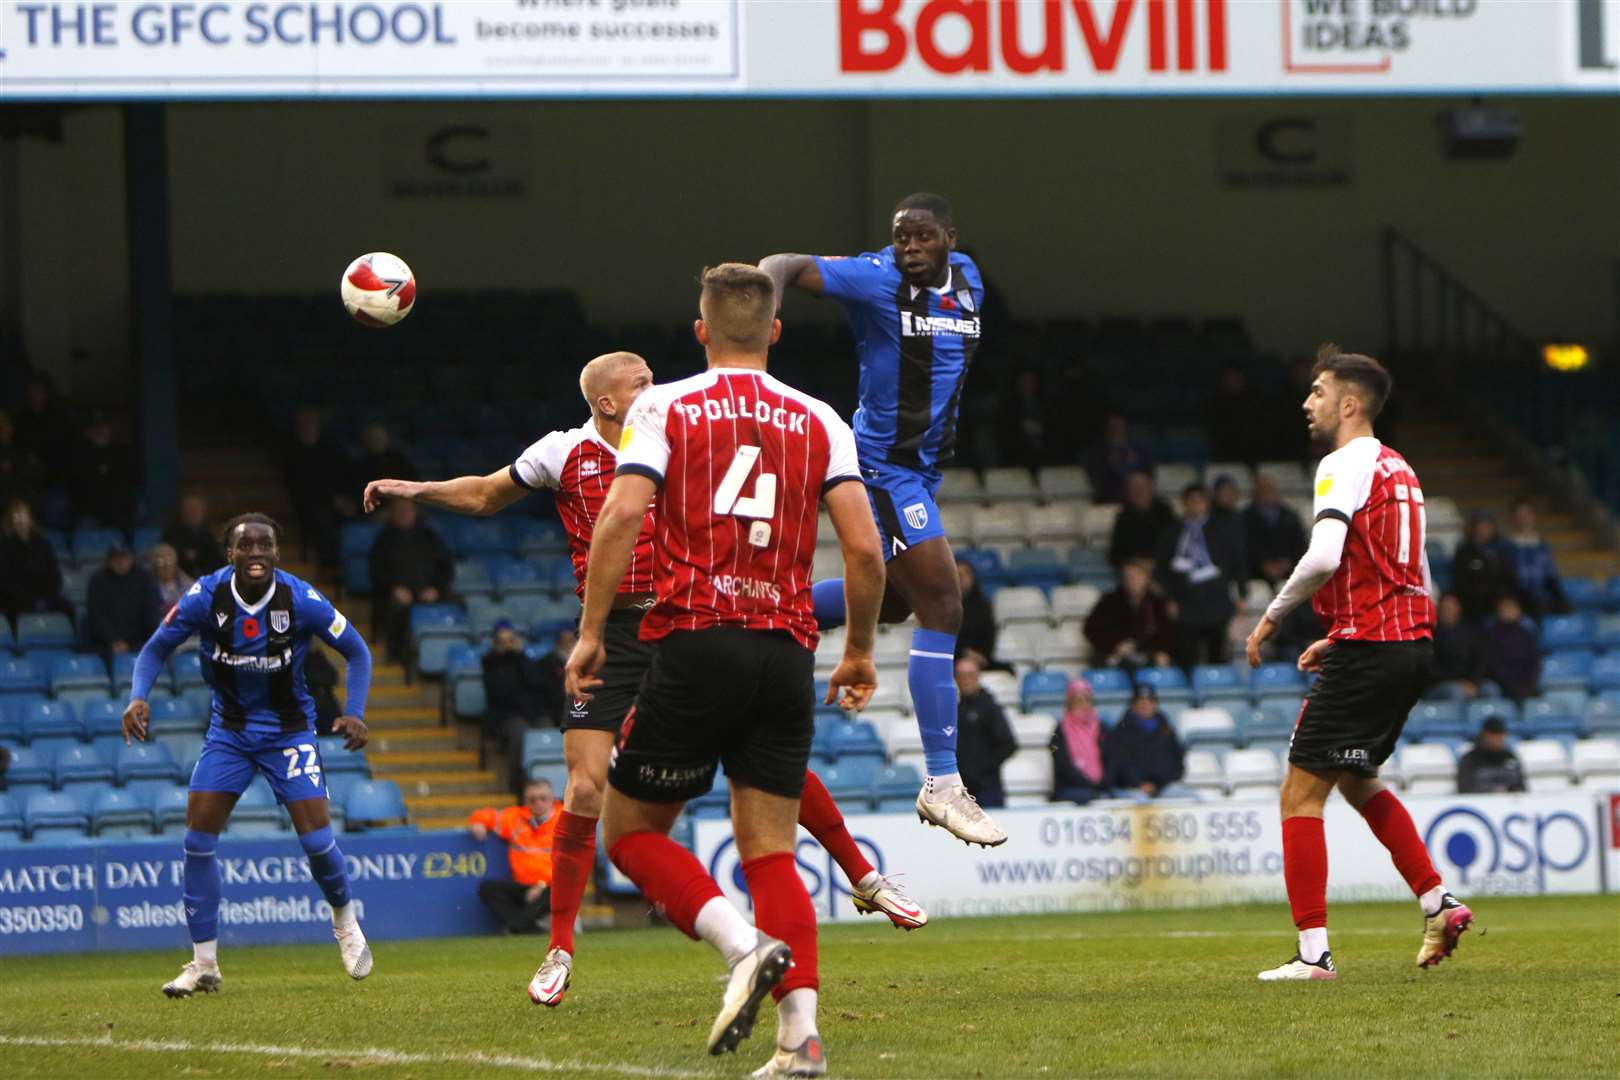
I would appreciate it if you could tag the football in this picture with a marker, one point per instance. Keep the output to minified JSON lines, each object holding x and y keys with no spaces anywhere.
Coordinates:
{"x":378,"y":289}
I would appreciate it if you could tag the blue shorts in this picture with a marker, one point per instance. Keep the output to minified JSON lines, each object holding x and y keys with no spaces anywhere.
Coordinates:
{"x":903,"y":504}
{"x":291,"y":761}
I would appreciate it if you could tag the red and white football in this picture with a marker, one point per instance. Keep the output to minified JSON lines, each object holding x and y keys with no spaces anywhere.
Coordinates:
{"x":378,"y":289}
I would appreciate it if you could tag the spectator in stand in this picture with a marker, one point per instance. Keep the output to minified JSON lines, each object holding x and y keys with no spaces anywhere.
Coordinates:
{"x":551,"y":671}
{"x":102,"y":483}
{"x":382,"y":457}
{"x":171,"y":581}
{"x":517,"y":695}
{"x":1513,"y":650}
{"x":1141,"y":522}
{"x":1131,"y":625}
{"x":409,"y":565}
{"x":1229,"y":420}
{"x":523,"y":904}
{"x":1480,"y":571}
{"x":44,"y":433}
{"x":1077,"y":761}
{"x":1489,"y":765}
{"x":1113,"y":459}
{"x":321,"y":479}
{"x":1459,"y":652}
{"x":1531,"y":563}
{"x":30,"y":580}
{"x":123,"y":607}
{"x":977,"y":638}
{"x":194,"y":543}
{"x":21,"y":476}
{"x":1197,"y":568}
{"x":1273,"y":534}
{"x":1028,"y":423}
{"x":984,"y":739}
{"x":1141,"y":754}
{"x":1226,"y":518}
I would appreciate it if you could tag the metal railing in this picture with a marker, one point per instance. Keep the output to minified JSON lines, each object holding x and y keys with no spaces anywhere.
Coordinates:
{"x":1428,"y":310}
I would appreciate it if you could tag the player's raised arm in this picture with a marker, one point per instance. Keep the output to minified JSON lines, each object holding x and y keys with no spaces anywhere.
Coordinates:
{"x":477,"y":495}
{"x":799,"y":271}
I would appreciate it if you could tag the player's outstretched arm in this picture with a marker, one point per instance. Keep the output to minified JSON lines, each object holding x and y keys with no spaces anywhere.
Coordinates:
{"x":148,"y":666}
{"x":851,"y":513}
{"x":612,"y":542}
{"x":799,"y":271}
{"x":477,"y":495}
{"x":1315,"y":567}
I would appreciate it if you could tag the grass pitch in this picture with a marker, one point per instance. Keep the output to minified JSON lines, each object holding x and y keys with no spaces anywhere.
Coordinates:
{"x":1136,"y":994}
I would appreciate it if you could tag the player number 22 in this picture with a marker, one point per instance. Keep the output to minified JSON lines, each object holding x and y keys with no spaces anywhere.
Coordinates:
{"x":761,"y":504}
{"x":312,"y":763}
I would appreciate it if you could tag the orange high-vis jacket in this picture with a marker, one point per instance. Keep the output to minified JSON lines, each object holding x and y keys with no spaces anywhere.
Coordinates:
{"x":528,"y":846}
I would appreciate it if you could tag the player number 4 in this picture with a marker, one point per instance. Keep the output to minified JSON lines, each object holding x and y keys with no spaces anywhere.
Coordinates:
{"x":760,"y":506}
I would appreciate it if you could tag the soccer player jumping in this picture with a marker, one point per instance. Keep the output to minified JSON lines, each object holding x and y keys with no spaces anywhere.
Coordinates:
{"x":1369,"y":575}
{"x":915,"y":309}
{"x":255,"y":623}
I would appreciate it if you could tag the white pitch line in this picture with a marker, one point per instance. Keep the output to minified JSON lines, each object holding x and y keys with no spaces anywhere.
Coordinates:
{"x":374,"y":1055}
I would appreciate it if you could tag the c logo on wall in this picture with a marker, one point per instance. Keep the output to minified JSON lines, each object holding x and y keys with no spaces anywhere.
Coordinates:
{"x":1514,"y":852}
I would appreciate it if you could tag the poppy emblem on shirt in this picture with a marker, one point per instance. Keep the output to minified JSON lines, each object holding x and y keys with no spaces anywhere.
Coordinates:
{"x":250,"y":628}
{"x":947,"y":303}
{"x":279,"y":621}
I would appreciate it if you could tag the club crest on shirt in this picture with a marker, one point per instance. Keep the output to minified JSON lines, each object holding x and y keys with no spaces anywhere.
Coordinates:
{"x":965,"y":298}
{"x":279,"y":621}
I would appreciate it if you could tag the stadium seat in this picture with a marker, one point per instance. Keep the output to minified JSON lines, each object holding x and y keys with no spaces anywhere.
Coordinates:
{"x":1605,"y":673}
{"x":1170,"y":683}
{"x":1207,"y":726}
{"x":29,"y":767}
{"x":1567,"y":632}
{"x":1041,"y":567}
{"x":1020,"y":604}
{"x":1252,"y":774}
{"x":374,"y":803}
{"x":542,"y":745}
{"x":468,"y":699}
{"x":1548,"y":718}
{"x":173,"y":716}
{"x":1009,"y":484}
{"x":60,"y":814}
{"x":890,"y":694}
{"x":1063,"y":645}
{"x":336,"y":758}
{"x":22,"y":675}
{"x":49,"y":630}
{"x":145,"y":761}
{"x":358,"y":536}
{"x":1001,"y":685}
{"x":1603,"y":715}
{"x":1097,"y":524}
{"x":1546,"y":765}
{"x":169,"y":808}
{"x":439,"y":618}
{"x":105,"y":717}
{"x":999,"y":523}
{"x":1074,"y":601}
{"x":1596,"y":762}
{"x":896,"y":782}
{"x":1020,"y":643}
{"x":1028,"y":772}
{"x":433,"y":649}
{"x":1170,"y":478}
{"x":1429,"y":768}
{"x":90,"y":544}
{"x":1568,"y":669}
{"x":1606,"y":634}
{"x":1439,"y":721}
{"x":1475,"y":712}
{"x":986,"y":563}
{"x":11,"y":818}
{"x":79,"y":768}
{"x":1063,"y":483}
{"x":1272,"y":721}
{"x":1202,"y":772}
{"x":1217,"y":684}
{"x":1060,"y":521}
{"x":472,"y":578}
{"x":1289,"y":476}
{"x":1109,"y":686}
{"x":115,"y":813}
{"x":50,"y":720}
{"x":1032,"y":730}
{"x":850,"y":783}
{"x":520,"y":579}
{"x":959,"y":486}
{"x":185,"y":671}
{"x":123,"y":672}
{"x":1276,"y":680}
{"x":955,"y":518}
{"x":1043,"y":690}
{"x":78,"y":673}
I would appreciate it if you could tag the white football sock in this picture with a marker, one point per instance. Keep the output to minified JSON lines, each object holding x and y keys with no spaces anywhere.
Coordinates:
{"x":1430,"y":901}
{"x":944,"y":782}
{"x":796,"y":1018}
{"x":1312,"y":944}
{"x":871,"y":879}
{"x":723,"y":926}
{"x":206,"y":953}
{"x":345,"y":915}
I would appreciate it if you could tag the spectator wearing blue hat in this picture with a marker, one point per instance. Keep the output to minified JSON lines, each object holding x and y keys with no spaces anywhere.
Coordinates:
{"x":1142,"y":756}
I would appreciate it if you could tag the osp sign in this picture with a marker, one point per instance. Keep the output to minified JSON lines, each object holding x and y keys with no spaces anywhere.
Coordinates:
{"x":1031,"y":37}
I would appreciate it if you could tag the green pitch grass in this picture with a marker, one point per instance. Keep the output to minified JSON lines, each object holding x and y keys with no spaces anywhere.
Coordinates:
{"x":1045,"y":996}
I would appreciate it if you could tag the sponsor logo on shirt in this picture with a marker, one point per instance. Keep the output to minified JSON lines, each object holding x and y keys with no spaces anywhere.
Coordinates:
{"x":747,"y":588}
{"x":252,"y":663}
{"x":937,"y":326}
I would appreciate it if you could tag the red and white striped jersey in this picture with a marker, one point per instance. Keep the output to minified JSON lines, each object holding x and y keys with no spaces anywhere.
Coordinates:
{"x":1380,"y":591}
{"x":579,"y":466}
{"x":741,"y":460}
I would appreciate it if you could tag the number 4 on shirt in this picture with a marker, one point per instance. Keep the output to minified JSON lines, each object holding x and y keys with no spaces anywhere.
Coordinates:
{"x":762,"y":504}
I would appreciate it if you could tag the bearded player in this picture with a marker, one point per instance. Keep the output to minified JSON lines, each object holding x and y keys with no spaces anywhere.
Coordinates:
{"x":914,"y":307}
{"x":578,"y":466}
{"x":1369,"y":575}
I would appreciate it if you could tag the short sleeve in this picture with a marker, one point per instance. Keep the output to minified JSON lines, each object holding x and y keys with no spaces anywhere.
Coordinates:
{"x":189,"y":613}
{"x":540,"y":466}
{"x":644,"y":447}
{"x":863,"y":277}
{"x":841,"y":461}
{"x":320,"y":614}
{"x":1343,"y":482}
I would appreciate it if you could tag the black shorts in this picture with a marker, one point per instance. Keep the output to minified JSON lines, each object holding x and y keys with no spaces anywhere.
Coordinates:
{"x":628,"y":658}
{"x":1356,"y":709}
{"x":727,"y":696}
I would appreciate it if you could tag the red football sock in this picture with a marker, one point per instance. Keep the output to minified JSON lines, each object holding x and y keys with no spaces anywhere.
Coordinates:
{"x":668,"y":875}
{"x":1305,"y":870}
{"x":819,"y":814}
{"x":1386,"y":816}
{"x":572,"y":854}
{"x":782,"y":910}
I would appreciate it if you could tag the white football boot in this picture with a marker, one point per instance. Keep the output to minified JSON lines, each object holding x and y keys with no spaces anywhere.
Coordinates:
{"x":1298,"y":969}
{"x":1443,"y":929}
{"x":550,"y":983}
{"x":752,"y":979}
{"x":353,"y":948}
{"x":806,"y":1060}
{"x":958,"y":813}
{"x":886,"y":898}
{"x":194,"y":978}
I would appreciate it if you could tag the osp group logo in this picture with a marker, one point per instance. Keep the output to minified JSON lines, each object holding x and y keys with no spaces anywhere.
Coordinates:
{"x":1512,"y":852}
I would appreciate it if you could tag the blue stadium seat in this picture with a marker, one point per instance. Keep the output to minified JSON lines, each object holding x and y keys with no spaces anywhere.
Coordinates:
{"x":1603,"y":715}
{"x":184,"y":748}
{"x":472,"y":536}
{"x":857,"y":741}
{"x":986,"y":563}
{"x":146,"y":761}
{"x":79,"y":767}
{"x":1276,"y":680}
{"x":123,"y":672}
{"x":438,"y":617}
{"x":539,"y":539}
{"x":433,"y":650}
{"x":468,"y":699}
{"x":1109,"y":686}
{"x":462,"y":661}
{"x":144,"y":537}
{"x":543,"y":746}
{"x":47,"y":630}
{"x":119,"y":813}
{"x":1545,"y":718}
{"x":168,"y":807}
{"x":30,"y":767}
{"x":472,"y":578}
{"x":171,"y":716}
{"x":1567,"y":669}
{"x":357,"y":574}
{"x":22,"y":675}
{"x":1214,"y":684}
{"x":1475,"y":712}
{"x":1608,"y":632}
{"x":11,"y":712}
{"x":50,"y":720}
{"x":374,"y":803}
{"x":849,"y":783}
{"x":551,"y":615}
{"x":1042,"y":690}
{"x":335,"y":758}
{"x":1271,"y":721}
{"x":8,"y":640}
{"x":54,"y":811}
{"x":11,"y":819}
{"x":185,"y":671}
{"x":516,"y":578}
{"x":78,"y":673}
{"x":1439,"y":721}
{"x":1585,"y":594}
{"x":256,"y":811}
{"x":896,"y":782}
{"x":1041,"y":567}
{"x":358,"y":536}
{"x":1566,"y":632}
{"x":555,"y":774}
{"x":90,"y":545}
{"x":1169,"y":682}
{"x":1606,"y":673}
